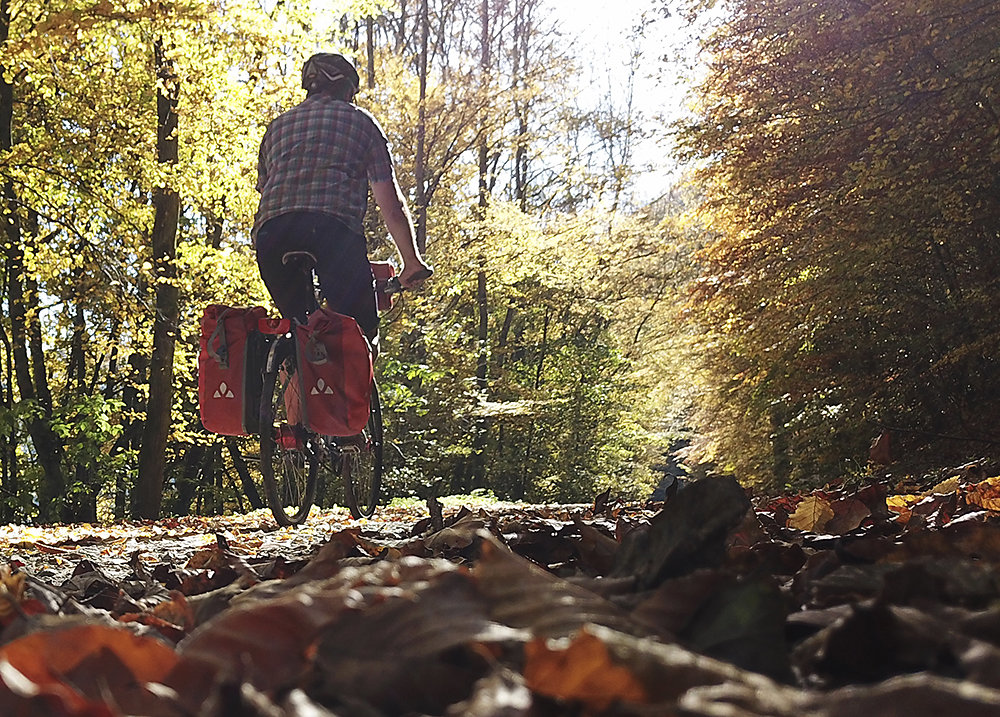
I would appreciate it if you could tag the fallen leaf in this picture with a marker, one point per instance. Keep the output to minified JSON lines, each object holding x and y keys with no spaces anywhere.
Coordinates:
{"x":690,"y":532}
{"x":581,"y":671}
{"x":84,"y":666}
{"x":900,"y":505}
{"x":812,"y":514}
{"x":949,"y":485}
{"x":985,"y":494}
{"x":848,"y":514}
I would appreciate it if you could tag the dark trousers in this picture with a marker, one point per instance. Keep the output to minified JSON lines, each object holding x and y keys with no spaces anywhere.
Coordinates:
{"x":345,"y":276}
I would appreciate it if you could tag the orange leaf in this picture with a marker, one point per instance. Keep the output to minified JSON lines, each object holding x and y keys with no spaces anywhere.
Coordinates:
{"x":901,"y":504}
{"x":42,"y":656}
{"x":11,"y":592}
{"x":582,"y":672}
{"x":81,"y":671}
{"x":985,"y":494}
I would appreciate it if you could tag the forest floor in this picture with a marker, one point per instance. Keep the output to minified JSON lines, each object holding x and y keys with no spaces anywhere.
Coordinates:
{"x":878,"y":599}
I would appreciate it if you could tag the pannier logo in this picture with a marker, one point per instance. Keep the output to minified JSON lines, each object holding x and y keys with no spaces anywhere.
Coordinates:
{"x":223,"y":391}
{"x":321,"y":387}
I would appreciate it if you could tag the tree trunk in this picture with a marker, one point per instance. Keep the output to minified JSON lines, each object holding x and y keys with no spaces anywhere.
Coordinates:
{"x":370,"y":28}
{"x":401,"y":28}
{"x":9,"y":470}
{"x":522,"y":30}
{"x":23,"y":308}
{"x":484,"y":64}
{"x":420,"y":161}
{"x":166,"y":202}
{"x":188,"y":480}
{"x":482,"y":425}
{"x":500,"y":355}
{"x":213,"y":233}
{"x":529,"y":444}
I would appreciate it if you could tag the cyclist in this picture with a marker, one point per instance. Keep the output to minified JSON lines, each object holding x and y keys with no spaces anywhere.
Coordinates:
{"x":315,"y":164}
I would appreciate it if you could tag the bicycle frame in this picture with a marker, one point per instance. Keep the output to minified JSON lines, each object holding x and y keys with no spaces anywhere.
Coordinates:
{"x":292,"y":453}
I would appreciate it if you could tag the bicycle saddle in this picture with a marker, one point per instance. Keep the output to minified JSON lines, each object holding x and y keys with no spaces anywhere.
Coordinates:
{"x":305,"y":260}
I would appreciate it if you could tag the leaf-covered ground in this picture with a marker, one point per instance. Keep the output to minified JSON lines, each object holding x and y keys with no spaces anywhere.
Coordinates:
{"x":881,"y":600}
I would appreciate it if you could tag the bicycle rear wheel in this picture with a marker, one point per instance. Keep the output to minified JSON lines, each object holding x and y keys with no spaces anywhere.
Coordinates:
{"x":289,"y":458}
{"x":361,"y":463}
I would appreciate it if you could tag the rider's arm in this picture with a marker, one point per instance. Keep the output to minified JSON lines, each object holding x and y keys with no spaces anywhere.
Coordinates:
{"x":392,"y":206}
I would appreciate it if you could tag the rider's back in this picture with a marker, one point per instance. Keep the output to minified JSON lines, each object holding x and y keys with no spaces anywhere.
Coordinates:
{"x":319,"y":156}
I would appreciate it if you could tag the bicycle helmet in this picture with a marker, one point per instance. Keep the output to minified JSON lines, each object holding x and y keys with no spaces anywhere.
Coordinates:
{"x":325,"y":69}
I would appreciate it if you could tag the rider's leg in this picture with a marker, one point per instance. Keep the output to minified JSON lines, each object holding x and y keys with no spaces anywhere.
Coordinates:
{"x":345,"y":276}
{"x":290,"y":289}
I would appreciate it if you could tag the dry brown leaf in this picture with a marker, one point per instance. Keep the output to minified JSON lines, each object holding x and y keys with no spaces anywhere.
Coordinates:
{"x":176,"y":611}
{"x":522,"y":595}
{"x":946,"y":486}
{"x":901,"y":505}
{"x":583,"y":672}
{"x":458,"y":536}
{"x":919,"y":694}
{"x":849,"y":513}
{"x":11,"y":591}
{"x":812,"y":514}
{"x":985,"y":494}
{"x":81,"y":670}
{"x":41,"y":655}
{"x":597,"y":550}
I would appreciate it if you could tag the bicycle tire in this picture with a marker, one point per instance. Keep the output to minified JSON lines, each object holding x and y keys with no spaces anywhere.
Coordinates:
{"x":289,"y":459}
{"x":361,"y":463}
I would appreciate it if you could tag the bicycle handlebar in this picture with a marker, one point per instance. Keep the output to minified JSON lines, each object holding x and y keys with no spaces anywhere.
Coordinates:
{"x":392,"y":285}
{"x":389,"y":286}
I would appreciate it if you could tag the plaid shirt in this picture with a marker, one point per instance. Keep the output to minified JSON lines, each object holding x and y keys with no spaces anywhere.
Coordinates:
{"x":319,"y":156}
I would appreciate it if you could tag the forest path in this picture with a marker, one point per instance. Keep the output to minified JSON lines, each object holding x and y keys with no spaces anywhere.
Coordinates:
{"x":845,"y":601}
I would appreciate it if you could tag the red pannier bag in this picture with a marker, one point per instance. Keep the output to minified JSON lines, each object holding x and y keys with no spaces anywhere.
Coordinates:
{"x":335,"y":373}
{"x":229,"y":369}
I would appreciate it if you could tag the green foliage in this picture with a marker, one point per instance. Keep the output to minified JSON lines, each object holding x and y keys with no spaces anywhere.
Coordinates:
{"x":558,"y":413}
{"x":556,"y":402}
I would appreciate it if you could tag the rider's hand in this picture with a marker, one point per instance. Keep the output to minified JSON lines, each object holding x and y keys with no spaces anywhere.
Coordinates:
{"x":414,"y":276}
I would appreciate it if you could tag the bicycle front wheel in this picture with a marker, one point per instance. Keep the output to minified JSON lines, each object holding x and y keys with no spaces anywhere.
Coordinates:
{"x":361,"y":463}
{"x":288,"y":452}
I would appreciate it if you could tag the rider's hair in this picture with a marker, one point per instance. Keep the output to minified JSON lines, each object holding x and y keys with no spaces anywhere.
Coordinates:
{"x":331,"y":74}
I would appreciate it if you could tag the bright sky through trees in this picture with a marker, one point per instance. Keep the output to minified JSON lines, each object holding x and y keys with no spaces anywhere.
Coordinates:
{"x":608,"y":36}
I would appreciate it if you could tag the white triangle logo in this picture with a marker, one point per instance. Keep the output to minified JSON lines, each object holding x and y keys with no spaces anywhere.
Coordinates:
{"x":223,"y":391}
{"x":321,"y":387}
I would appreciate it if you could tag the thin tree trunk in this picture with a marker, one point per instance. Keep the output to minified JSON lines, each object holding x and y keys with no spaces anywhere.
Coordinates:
{"x":130,"y":438}
{"x":401,"y":29}
{"x":188,"y":480}
{"x":531,"y":430}
{"x":499,"y":356}
{"x":482,"y":426}
{"x":10,"y":484}
{"x":213,"y":233}
{"x":420,"y":161}
{"x":483,"y":333}
{"x":484,"y":64}
{"x":152,"y":454}
{"x":521,"y":37}
{"x":370,"y":27}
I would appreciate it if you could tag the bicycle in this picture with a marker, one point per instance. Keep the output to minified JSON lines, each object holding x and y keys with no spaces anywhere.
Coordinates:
{"x":291,"y":454}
